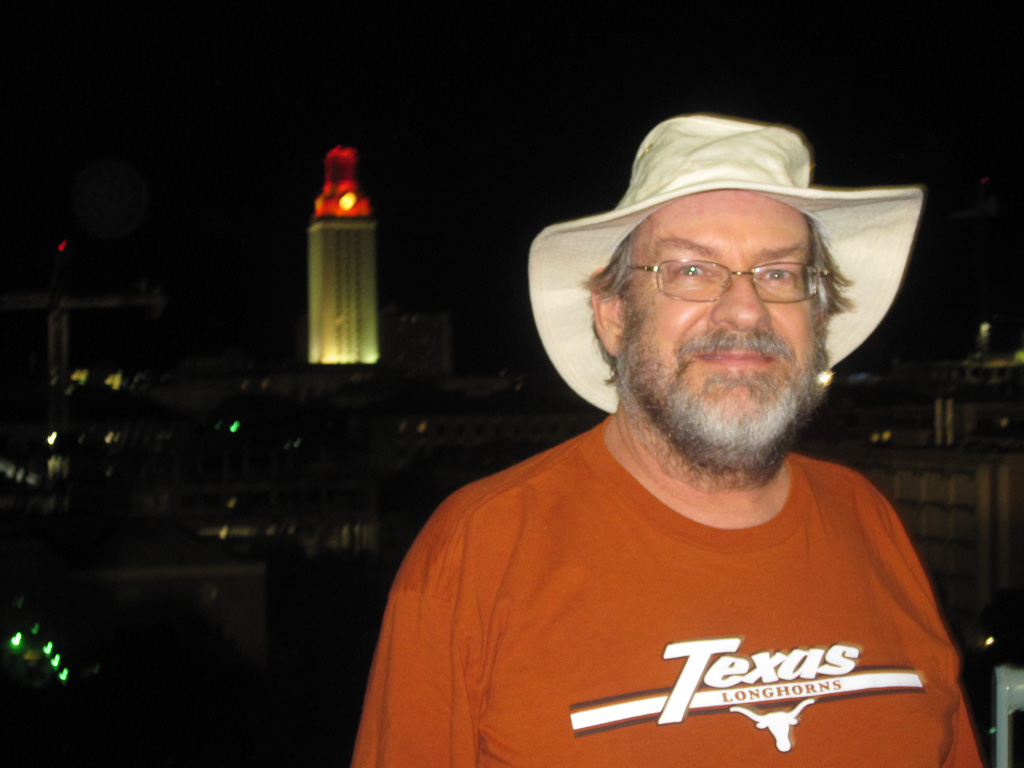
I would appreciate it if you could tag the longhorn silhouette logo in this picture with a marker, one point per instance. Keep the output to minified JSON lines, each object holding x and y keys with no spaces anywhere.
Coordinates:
{"x":779,"y":724}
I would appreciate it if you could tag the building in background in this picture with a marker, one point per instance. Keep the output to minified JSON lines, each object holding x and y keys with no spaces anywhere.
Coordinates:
{"x":416,"y":343}
{"x":342,"y":268}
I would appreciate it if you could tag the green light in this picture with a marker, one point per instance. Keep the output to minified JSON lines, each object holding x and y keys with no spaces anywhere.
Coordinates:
{"x":63,"y":674}
{"x":16,"y":640}
{"x":235,"y":426}
{"x":47,"y":648}
{"x":55,"y":661}
{"x":35,"y":629}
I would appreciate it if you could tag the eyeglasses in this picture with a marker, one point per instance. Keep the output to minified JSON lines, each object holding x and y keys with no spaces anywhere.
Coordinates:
{"x":780,"y":283}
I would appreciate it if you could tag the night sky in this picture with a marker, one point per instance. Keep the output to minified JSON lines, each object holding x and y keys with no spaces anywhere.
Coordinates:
{"x":184,"y":147}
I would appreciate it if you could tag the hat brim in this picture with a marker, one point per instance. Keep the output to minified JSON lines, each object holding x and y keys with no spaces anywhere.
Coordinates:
{"x":871,"y":233}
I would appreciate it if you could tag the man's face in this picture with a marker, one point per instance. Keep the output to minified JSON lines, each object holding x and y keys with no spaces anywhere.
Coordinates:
{"x":725,"y":382}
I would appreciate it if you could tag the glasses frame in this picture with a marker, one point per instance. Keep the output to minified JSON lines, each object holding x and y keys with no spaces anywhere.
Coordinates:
{"x":815,"y":273}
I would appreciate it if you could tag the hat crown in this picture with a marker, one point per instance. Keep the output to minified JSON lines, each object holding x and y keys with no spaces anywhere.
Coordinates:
{"x":703,"y":150}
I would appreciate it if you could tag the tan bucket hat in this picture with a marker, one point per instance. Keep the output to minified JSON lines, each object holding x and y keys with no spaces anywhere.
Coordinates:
{"x":871,"y":232}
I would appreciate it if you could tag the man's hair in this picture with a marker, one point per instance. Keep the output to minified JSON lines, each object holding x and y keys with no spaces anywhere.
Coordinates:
{"x":831,"y":299}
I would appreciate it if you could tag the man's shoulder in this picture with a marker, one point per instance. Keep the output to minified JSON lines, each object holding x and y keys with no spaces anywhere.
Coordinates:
{"x":820,"y":470}
{"x":839,"y":487}
{"x":475,"y":530}
{"x":846,"y":494}
{"x":549,"y":471}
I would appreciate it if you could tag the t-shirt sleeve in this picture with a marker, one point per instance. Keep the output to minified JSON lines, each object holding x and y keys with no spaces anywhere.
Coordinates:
{"x":964,"y":752}
{"x":900,"y":566}
{"x":909,"y":571}
{"x":416,"y":710}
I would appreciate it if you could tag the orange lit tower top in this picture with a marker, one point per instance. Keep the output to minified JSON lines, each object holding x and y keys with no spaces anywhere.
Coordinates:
{"x":341,"y":196}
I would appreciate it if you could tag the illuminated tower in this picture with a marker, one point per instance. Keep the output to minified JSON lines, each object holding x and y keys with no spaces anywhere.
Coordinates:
{"x":342,"y":268}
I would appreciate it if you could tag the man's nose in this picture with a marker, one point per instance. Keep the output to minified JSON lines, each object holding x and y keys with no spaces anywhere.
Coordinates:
{"x":740,"y":308}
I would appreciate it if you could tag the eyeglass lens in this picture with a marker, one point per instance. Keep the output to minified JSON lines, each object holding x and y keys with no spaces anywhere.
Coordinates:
{"x":707,"y":281}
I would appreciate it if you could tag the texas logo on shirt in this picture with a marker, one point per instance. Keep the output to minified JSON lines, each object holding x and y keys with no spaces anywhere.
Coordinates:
{"x":713,"y":677}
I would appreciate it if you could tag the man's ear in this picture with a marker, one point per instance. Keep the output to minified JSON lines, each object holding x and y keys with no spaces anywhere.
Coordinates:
{"x":609,"y":316}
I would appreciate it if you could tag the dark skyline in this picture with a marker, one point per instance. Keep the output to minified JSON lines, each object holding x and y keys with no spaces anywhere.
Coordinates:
{"x":474,"y":133}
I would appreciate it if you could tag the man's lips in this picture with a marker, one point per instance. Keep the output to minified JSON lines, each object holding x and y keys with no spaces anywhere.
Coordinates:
{"x":736,"y":357}
{"x":758,"y":351}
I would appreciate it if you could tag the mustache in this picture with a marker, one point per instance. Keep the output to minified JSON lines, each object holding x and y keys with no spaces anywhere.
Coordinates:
{"x":761,"y":341}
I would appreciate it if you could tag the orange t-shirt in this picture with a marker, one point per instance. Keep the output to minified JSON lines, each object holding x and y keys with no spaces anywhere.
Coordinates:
{"x":557,"y":614}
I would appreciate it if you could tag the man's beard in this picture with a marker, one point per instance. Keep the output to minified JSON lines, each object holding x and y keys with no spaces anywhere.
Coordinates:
{"x":731,"y":431}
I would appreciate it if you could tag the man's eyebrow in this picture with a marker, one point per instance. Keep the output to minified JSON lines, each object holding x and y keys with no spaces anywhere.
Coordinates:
{"x":676,"y":244}
{"x":681,"y":244}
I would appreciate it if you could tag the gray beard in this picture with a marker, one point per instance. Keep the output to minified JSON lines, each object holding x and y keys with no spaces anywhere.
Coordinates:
{"x":705,"y":434}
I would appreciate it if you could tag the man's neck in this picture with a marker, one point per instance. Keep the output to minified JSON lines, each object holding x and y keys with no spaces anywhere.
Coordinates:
{"x":718,"y":502}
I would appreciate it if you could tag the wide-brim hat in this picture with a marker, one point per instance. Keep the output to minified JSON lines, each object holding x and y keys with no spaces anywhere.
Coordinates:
{"x":870,"y":231}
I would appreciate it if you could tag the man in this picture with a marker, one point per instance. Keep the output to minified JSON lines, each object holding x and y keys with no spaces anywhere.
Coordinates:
{"x":672,"y":588}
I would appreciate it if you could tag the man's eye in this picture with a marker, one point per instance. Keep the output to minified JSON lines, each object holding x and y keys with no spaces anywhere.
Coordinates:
{"x":777,"y":275}
{"x":689,"y":270}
